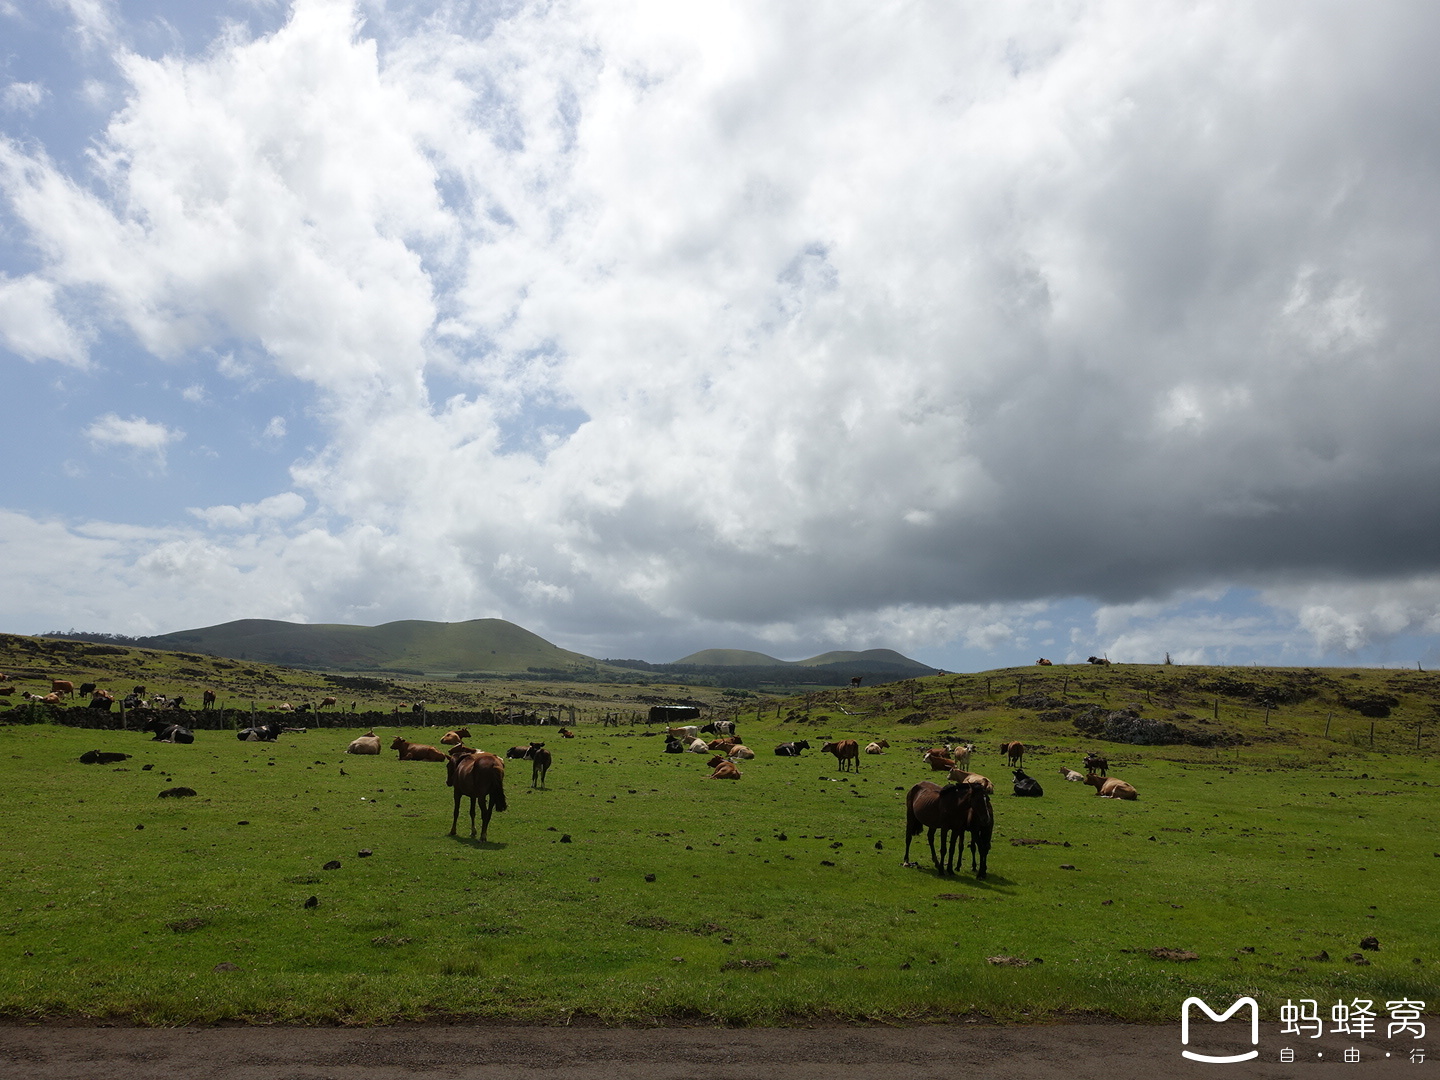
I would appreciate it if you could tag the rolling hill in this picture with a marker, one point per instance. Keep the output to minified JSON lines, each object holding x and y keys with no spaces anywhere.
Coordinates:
{"x":413,"y":645}
{"x":887,"y":661}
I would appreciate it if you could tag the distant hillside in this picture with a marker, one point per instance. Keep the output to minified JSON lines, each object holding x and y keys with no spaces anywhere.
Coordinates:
{"x":871,"y":661}
{"x":414,"y":645}
{"x":878,"y":659}
{"x":730,"y":658}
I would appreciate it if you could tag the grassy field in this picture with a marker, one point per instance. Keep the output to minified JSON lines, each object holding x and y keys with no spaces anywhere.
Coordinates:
{"x":775,"y":898}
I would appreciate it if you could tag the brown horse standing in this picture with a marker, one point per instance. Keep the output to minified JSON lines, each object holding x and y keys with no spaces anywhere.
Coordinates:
{"x":481,"y":776}
{"x":955,"y":810}
{"x":844,"y":750}
{"x":1014,"y":752}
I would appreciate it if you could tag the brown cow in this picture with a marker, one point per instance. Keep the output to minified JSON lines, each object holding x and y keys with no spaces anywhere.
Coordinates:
{"x":566,"y":733}
{"x":6,"y":691}
{"x":725,"y":771}
{"x":325,"y":703}
{"x":1014,"y":752}
{"x":481,"y":777}
{"x":62,"y":686}
{"x":419,"y":752}
{"x":939,"y":760}
{"x":1111,"y":788}
{"x":844,"y":750}
{"x":1042,"y":662}
{"x":877,"y":747}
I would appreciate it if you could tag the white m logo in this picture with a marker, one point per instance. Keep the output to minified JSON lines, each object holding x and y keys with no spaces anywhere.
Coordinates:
{"x":1220,"y":1018}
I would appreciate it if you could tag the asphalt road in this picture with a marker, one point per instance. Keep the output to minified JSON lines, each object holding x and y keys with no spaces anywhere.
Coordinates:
{"x":442,"y":1052}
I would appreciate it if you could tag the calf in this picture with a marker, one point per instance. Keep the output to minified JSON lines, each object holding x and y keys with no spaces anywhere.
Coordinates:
{"x":744,"y":753}
{"x":725,"y":771}
{"x":1095,"y":763}
{"x":540,"y":765}
{"x":1027,"y":786}
{"x":1071,"y":775}
{"x":876,"y":747}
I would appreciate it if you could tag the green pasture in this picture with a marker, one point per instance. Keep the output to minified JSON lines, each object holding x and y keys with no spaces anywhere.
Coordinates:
{"x":1254,"y":862}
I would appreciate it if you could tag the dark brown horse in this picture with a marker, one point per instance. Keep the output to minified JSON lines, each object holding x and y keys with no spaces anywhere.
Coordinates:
{"x":954,"y":810}
{"x":481,"y":776}
{"x":540,"y":765}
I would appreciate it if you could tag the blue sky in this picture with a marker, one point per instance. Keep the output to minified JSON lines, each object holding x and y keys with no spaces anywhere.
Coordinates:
{"x":979,"y":331}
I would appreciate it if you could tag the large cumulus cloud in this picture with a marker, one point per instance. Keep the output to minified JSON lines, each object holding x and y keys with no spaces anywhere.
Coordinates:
{"x":801,"y":325}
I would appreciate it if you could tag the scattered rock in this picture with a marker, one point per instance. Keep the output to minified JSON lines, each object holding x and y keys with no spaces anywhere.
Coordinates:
{"x":1370,"y":943}
{"x":333,"y":864}
{"x":1321,"y":956}
{"x":592,"y":880}
{"x":953,"y":896}
{"x":1067,"y":866}
{"x":147,"y":768}
{"x":242,"y":823}
{"x":176,"y":793}
{"x":677,"y":959}
{"x":1106,"y":903}
{"x":747,"y":965}
{"x":1011,"y":961}
{"x":184,"y":926}
{"x":1173,"y":954}
{"x":363,"y":853}
{"x":1357,"y":958}
{"x":565,"y":839}
{"x":826,"y":862}
{"x":314,"y":901}
{"x":649,"y":877}
{"x":226,"y":965}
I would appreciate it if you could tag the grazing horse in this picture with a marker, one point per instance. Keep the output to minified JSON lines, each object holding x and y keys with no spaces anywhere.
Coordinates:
{"x":207,"y":701}
{"x":955,"y":810}
{"x":481,"y":777}
{"x":844,"y":750}
{"x":1014,"y":752}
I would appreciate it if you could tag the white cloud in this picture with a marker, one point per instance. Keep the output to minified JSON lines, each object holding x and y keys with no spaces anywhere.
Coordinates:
{"x":23,"y":97}
{"x":137,"y":434}
{"x":811,"y":324}
{"x":280,"y":507}
{"x":31,"y":325}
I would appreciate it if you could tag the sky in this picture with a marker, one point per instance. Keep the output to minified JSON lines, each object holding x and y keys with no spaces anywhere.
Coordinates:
{"x":982,"y":331}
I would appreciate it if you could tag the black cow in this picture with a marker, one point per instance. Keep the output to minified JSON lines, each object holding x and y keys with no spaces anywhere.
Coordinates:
{"x":719,"y":727}
{"x":792,"y":749}
{"x":165,"y":731}
{"x":266,"y":732}
{"x":673,"y":745}
{"x":1027,"y":786}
